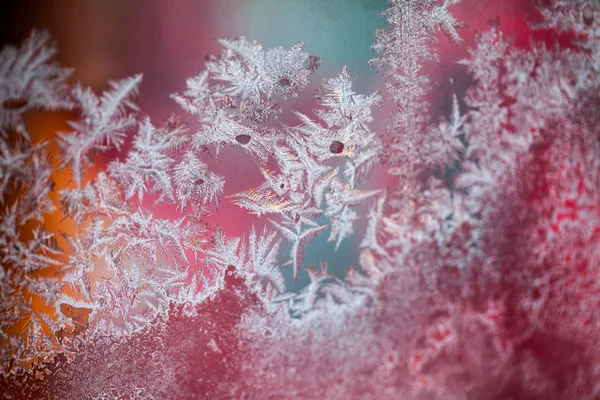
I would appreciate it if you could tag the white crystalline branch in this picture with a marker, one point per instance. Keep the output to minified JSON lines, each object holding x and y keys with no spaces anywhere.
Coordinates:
{"x":262,"y":265}
{"x":444,"y":142}
{"x":148,"y":165}
{"x":29,"y":80}
{"x":236,"y":94}
{"x":300,"y":236}
{"x":195,"y":184}
{"x":340,"y":198}
{"x":104,"y":123}
{"x":345,"y":133}
{"x":413,"y":25}
{"x":404,"y":49}
{"x":225,"y":251}
{"x":245,"y":69}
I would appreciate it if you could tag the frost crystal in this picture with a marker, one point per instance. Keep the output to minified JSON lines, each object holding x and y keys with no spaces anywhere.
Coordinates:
{"x":29,"y":80}
{"x":104,"y":123}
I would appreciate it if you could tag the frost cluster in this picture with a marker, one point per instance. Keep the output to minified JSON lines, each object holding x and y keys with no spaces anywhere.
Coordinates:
{"x":479,"y":256}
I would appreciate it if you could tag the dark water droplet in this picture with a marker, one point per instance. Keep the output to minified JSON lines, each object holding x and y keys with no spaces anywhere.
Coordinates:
{"x":199,"y":181}
{"x":285,"y":82}
{"x":297,"y":218}
{"x":282,"y":186}
{"x":14,"y":104}
{"x":336,"y":147}
{"x":243,"y":139}
{"x":588,"y":17}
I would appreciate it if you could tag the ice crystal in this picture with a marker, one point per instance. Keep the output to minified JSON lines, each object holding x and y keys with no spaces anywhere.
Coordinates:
{"x":346,"y":134}
{"x":262,"y":263}
{"x":30,"y":80}
{"x":149,"y":161}
{"x":195,"y":183}
{"x":104,"y":123}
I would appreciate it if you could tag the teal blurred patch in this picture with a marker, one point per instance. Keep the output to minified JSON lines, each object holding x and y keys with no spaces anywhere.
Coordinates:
{"x":341,"y":32}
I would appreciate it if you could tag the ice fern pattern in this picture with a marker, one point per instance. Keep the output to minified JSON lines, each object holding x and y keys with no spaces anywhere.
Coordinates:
{"x":30,"y":79}
{"x":476,"y":229}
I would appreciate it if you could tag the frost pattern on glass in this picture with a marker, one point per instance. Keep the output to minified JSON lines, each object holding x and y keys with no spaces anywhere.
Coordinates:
{"x":479,"y":252}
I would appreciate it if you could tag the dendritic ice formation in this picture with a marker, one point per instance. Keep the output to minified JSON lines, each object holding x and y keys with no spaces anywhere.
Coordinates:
{"x":478,"y":275}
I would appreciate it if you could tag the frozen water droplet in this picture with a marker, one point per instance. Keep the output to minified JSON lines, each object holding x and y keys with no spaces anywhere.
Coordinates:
{"x":336,"y":147}
{"x":285,"y":82}
{"x":243,"y":139}
{"x":14,"y":103}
